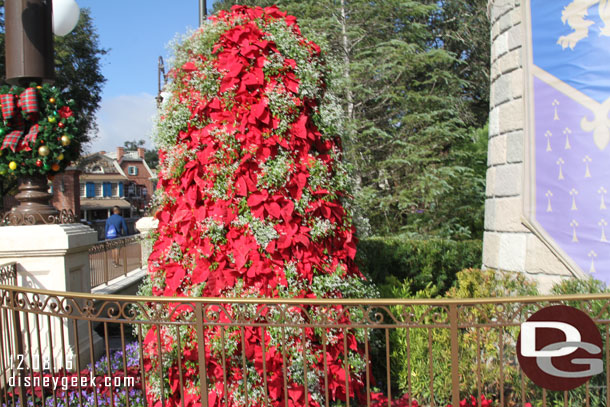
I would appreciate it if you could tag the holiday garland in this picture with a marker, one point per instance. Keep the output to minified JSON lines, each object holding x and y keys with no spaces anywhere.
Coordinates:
{"x":37,"y":131}
{"x":251,"y":204}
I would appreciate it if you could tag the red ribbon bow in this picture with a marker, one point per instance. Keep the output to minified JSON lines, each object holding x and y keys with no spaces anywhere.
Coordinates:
{"x":12,"y":108}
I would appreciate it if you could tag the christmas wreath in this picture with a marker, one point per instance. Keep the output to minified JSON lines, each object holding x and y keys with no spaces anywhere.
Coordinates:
{"x":37,"y":131}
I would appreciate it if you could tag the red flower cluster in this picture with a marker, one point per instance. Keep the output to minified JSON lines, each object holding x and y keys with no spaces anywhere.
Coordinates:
{"x":379,"y":400}
{"x":251,"y":208}
{"x":474,"y":403}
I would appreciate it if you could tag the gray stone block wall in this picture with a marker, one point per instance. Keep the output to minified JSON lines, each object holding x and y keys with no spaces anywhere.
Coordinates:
{"x":507,"y":243}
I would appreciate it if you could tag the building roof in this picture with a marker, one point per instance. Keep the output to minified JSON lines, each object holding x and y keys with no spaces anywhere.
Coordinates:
{"x":89,"y":203}
{"x":103,"y":177}
{"x":87,"y":163}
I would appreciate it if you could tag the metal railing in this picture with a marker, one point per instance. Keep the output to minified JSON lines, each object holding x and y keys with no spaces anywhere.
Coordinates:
{"x":8,"y":274}
{"x":110,"y":259}
{"x":274,"y":352}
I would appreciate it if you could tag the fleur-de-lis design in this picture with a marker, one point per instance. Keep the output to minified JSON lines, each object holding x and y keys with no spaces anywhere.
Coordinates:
{"x":548,"y":195}
{"x":574,"y":225}
{"x":602,"y":191}
{"x":560,"y":163}
{"x":592,"y":255}
{"x":587,"y":160}
{"x":567,"y":133}
{"x":602,"y":224}
{"x":548,"y":136}
{"x":555,"y":104}
{"x":573,"y":193}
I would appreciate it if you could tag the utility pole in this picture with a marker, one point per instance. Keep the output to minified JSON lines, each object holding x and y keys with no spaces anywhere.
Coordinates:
{"x":203,"y":11}
{"x":29,"y":41}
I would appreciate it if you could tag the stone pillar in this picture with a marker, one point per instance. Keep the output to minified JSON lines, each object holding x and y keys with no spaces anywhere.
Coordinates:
{"x":66,"y":191}
{"x":507,"y":244}
{"x":146,"y":226}
{"x":52,"y":257}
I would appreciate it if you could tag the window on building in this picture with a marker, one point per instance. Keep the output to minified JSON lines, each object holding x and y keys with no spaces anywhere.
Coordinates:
{"x":144,"y":192}
{"x":98,"y":189}
{"x":107,"y":189}
{"x":82,"y":190}
{"x":131,"y":190}
{"x":132,"y":170}
{"x":97,"y":169}
{"x":90,"y":192}
{"x":115,"y":189}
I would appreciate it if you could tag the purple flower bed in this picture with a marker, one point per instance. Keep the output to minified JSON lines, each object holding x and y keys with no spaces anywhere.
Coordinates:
{"x":99,"y":392}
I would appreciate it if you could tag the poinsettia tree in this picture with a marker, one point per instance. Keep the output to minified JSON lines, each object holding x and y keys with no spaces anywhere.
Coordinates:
{"x":252,"y":203}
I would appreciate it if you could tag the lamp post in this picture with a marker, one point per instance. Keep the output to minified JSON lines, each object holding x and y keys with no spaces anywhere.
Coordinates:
{"x":203,"y":11}
{"x":160,"y":78}
{"x":29,"y":41}
{"x":29,"y":58}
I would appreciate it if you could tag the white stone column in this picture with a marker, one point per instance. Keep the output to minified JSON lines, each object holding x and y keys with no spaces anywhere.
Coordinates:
{"x":145,"y":226}
{"x":52,"y":257}
{"x":507,"y":244}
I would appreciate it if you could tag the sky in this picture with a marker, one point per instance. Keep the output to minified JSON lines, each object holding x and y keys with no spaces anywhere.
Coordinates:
{"x":135,"y":33}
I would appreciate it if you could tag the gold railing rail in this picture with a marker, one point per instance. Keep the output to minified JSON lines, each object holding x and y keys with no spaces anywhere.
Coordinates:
{"x":321,"y":301}
{"x":113,"y":258}
{"x":435,"y":351}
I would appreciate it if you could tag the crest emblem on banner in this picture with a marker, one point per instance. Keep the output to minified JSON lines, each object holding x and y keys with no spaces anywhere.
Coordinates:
{"x":568,"y":105}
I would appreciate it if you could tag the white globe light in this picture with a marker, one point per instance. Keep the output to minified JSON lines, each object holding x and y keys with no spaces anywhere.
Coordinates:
{"x":65,"y":16}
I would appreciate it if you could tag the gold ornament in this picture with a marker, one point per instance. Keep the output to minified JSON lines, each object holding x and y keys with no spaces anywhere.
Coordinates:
{"x":65,"y":140}
{"x":60,"y":157}
{"x":44,"y":151}
{"x":12,"y":165}
{"x":52,"y":119}
{"x":52,"y":100}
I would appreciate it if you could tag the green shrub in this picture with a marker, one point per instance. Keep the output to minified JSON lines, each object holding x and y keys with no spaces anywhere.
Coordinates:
{"x":388,"y":261}
{"x":596,"y":309}
{"x":429,"y":349}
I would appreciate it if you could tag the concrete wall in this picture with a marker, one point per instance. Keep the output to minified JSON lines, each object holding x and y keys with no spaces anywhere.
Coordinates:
{"x":507,"y":243}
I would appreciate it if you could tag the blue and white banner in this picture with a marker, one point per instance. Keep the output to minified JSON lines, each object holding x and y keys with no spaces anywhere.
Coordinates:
{"x":568,"y":101}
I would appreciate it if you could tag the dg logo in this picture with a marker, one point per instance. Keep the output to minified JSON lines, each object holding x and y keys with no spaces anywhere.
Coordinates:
{"x":560,"y":348}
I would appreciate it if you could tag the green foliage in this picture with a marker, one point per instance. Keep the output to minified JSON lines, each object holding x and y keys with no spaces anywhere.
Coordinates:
{"x":388,"y":261}
{"x":429,"y":349}
{"x":56,"y":133}
{"x":78,"y":71}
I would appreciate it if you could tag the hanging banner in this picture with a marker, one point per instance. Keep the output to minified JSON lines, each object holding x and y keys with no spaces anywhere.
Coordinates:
{"x":568,"y":130}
